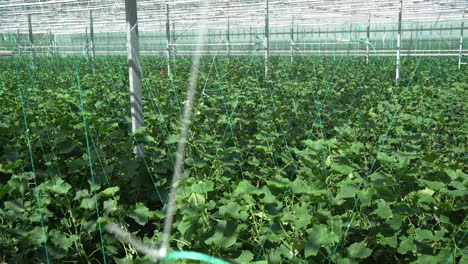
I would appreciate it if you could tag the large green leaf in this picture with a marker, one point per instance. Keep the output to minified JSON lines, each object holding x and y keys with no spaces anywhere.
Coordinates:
{"x":141,"y":214}
{"x":359,"y":250}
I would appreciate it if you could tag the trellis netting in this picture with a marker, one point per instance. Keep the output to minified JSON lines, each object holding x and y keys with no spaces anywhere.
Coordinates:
{"x":189,"y":131}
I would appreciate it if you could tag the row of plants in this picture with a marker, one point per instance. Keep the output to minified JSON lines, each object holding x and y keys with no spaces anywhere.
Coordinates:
{"x":327,"y":161}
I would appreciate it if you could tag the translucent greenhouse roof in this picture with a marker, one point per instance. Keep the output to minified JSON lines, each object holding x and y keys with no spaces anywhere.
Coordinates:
{"x":72,"y":16}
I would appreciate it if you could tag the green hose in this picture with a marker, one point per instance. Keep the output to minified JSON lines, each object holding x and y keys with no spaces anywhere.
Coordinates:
{"x":195,"y":256}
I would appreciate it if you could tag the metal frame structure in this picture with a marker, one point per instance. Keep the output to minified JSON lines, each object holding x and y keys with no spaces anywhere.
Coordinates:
{"x":398,"y":52}
{"x":301,"y":17}
{"x":460,"y":53}
{"x":134,"y":70}
{"x":67,"y":16}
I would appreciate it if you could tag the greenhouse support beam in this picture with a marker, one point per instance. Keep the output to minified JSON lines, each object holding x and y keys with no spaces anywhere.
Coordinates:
{"x":461,"y":42}
{"x":31,"y":43}
{"x":173,"y":39}
{"x":291,"y":36}
{"x":18,"y":43}
{"x":397,"y":75}
{"x":87,"y":45}
{"x":168,"y":42}
{"x":228,"y":41}
{"x":51,"y":43}
{"x":266,"y":42}
{"x":134,"y":70}
{"x":91,"y":35}
{"x":55,"y":46}
{"x":368,"y":40}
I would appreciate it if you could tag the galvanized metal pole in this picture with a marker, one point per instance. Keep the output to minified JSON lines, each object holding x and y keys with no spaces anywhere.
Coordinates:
{"x":87,"y":45}
{"x":461,"y":41}
{"x":397,"y":75}
{"x":55,"y":45}
{"x":91,"y":35}
{"x":168,"y":42}
{"x":291,"y":35}
{"x":51,"y":43}
{"x":368,"y":40}
{"x":134,"y":70}
{"x":410,"y":46}
{"x":266,"y":42}
{"x":173,"y":41}
{"x":228,"y":41}
{"x":18,"y":41}
{"x":31,"y":43}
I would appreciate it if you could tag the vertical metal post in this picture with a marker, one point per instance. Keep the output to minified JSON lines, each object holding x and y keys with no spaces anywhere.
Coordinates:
{"x":410,"y":46}
{"x":421,"y":46}
{"x":55,"y":45}
{"x":31,"y":43}
{"x":87,"y":45}
{"x":18,"y":41}
{"x":383,"y":38}
{"x":51,"y":43}
{"x":173,"y":41}
{"x":168,"y":42}
{"x":397,"y":75}
{"x":350,"y":37}
{"x":368,"y":40}
{"x":266,"y":42}
{"x":291,"y":35}
{"x":91,"y":35}
{"x":228,"y":41}
{"x":461,"y":41}
{"x":134,"y":72}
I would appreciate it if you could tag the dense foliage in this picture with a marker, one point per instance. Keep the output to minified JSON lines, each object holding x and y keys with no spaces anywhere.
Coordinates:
{"x":327,"y":162}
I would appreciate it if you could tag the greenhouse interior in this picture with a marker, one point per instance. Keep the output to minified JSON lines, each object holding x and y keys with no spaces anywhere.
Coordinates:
{"x":245,"y":131}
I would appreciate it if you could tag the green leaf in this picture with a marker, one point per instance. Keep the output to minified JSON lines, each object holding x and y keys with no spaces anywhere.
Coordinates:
{"x":60,"y":187}
{"x":245,"y":257}
{"x":172,"y":139}
{"x":81,"y":194}
{"x":433,"y":185}
{"x":343,"y":169}
{"x":407,"y":245}
{"x":225,"y":234}
{"x":4,"y":190}
{"x":455,"y":174}
{"x":61,"y":240}
{"x":279,"y":181}
{"x":8,"y":168}
{"x":110,"y":206}
{"x":386,"y":158}
{"x":67,"y":146}
{"x":390,"y":241}
{"x":424,"y":234}
{"x":244,"y":188}
{"x":87,"y":203}
{"x":318,"y":235}
{"x":347,"y":191}
{"x":141,"y":214}
{"x":76,"y":165}
{"x":20,"y":182}
{"x":37,"y":236}
{"x":383,"y":210}
{"x":234,"y":210}
{"x":266,"y":196}
{"x":202,"y":187}
{"x":16,"y":206}
{"x":359,"y":250}
{"x":109,"y":192}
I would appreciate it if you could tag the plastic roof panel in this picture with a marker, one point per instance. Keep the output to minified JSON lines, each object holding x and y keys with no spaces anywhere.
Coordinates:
{"x":72,"y":16}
